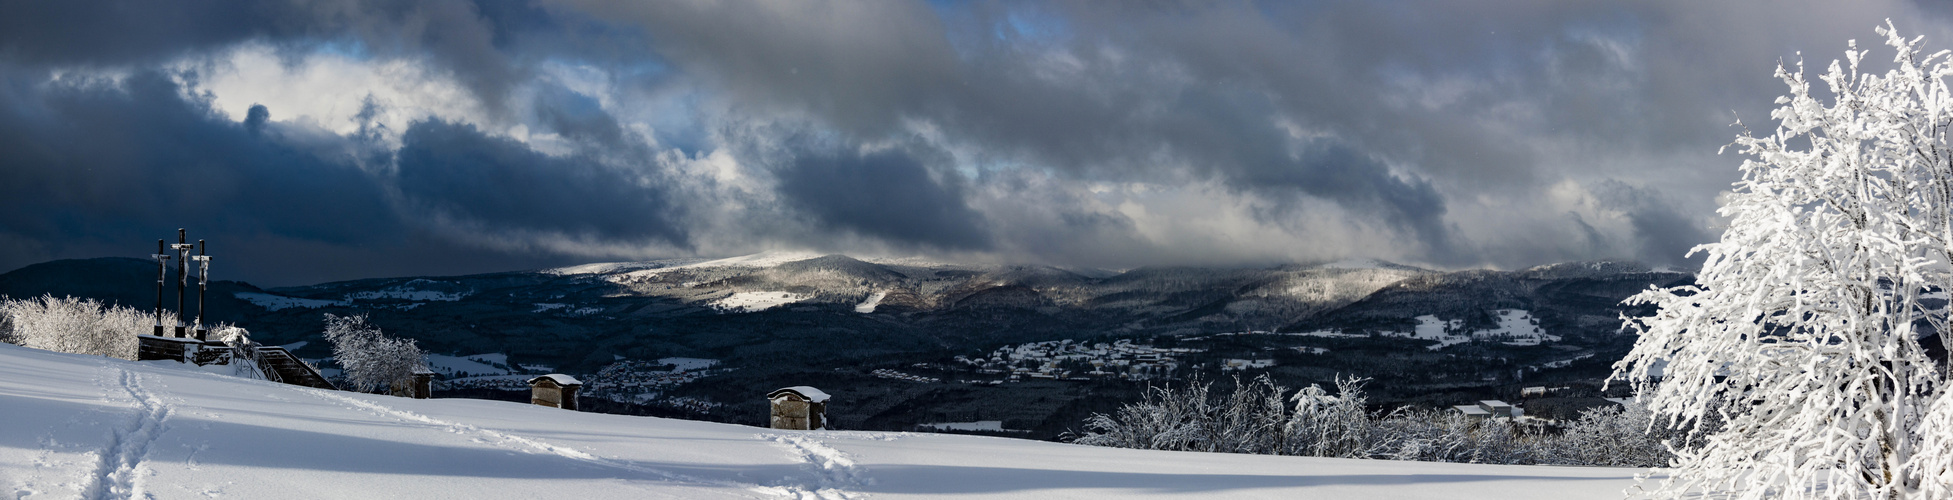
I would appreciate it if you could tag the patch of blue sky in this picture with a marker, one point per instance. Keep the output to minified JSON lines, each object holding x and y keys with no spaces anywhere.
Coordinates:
{"x":971,"y":30}
{"x":1030,"y":25}
{"x":676,"y":122}
{"x":349,"y":48}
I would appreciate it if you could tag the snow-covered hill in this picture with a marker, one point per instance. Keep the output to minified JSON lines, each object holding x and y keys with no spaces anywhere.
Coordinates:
{"x":81,"y":426}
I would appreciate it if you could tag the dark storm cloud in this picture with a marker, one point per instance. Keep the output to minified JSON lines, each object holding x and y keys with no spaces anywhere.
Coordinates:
{"x":578,"y":116}
{"x":1332,"y":170}
{"x":1410,"y":119}
{"x":108,"y":159}
{"x":867,"y":69}
{"x":499,"y":183}
{"x":1472,"y":100}
{"x":100,"y":169}
{"x":97,"y":167}
{"x":1661,"y":235}
{"x":885,"y":194}
{"x":129,"y":32}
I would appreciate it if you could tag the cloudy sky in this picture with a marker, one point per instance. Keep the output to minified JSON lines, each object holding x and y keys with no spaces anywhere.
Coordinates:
{"x":323,"y":140}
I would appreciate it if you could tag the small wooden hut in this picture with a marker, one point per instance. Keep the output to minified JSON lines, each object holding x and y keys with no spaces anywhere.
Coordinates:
{"x":554,"y":390}
{"x":798,"y":407}
{"x":420,"y":386}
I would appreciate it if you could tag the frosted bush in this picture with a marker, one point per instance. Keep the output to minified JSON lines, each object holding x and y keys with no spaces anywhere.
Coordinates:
{"x":74,"y":325}
{"x":371,"y":360}
{"x":1255,"y":419}
{"x":1613,"y":436}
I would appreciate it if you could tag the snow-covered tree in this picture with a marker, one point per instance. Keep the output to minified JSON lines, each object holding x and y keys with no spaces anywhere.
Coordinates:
{"x":1250,"y":420}
{"x":1612,"y":436}
{"x":1442,"y":435}
{"x":1254,"y":420}
{"x":371,"y":360}
{"x":73,"y":325}
{"x":1802,"y":334}
{"x":1330,"y":425}
{"x":1149,"y":424}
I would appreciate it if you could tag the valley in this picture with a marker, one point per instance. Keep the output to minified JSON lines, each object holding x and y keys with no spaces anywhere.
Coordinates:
{"x":908,"y":343}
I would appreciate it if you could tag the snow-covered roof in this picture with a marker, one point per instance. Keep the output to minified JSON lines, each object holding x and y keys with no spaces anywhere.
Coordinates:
{"x":181,"y":340}
{"x":812,"y":394}
{"x":559,"y":378}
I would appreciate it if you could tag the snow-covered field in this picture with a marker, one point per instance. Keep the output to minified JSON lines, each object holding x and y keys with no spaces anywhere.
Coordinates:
{"x":1431,"y":328}
{"x":275,"y":302}
{"x":868,"y":306}
{"x":412,"y":290}
{"x":980,"y":425}
{"x":755,"y":301}
{"x":688,"y":364}
{"x":449,"y":365}
{"x":83,"y":426}
{"x":1516,"y":328}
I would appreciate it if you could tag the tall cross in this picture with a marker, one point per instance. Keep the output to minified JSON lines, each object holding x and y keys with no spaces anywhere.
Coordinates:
{"x":161,"y":267}
{"x":182,"y":248}
{"x":203,"y":284}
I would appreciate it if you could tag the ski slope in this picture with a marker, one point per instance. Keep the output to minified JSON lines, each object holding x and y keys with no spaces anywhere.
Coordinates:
{"x":81,"y":426}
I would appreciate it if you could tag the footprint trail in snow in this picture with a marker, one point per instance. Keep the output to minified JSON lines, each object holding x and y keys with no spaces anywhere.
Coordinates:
{"x":122,"y":470}
{"x":834,"y":471}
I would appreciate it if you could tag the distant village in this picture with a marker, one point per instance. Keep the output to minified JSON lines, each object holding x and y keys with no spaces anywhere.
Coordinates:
{"x":1074,"y":360}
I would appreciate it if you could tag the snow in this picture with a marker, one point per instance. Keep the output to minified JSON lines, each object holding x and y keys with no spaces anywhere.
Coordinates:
{"x":758,"y":260}
{"x":595,"y":268}
{"x":296,"y":345}
{"x":1562,"y":363}
{"x":1355,"y":264}
{"x":980,"y":425}
{"x":813,"y":395}
{"x":688,"y":364}
{"x":493,"y":358}
{"x":276,"y":302}
{"x":755,"y":301}
{"x":407,"y":291}
{"x":94,"y":427}
{"x":868,"y":306}
{"x":762,"y":259}
{"x":620,"y":267}
{"x":560,"y":379}
{"x":1334,"y":334}
{"x":1518,"y":328}
{"x":1431,"y":328}
{"x":449,"y":365}
{"x":909,"y":261}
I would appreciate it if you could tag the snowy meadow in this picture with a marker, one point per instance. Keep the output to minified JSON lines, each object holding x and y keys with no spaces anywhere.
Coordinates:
{"x":91,"y":427}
